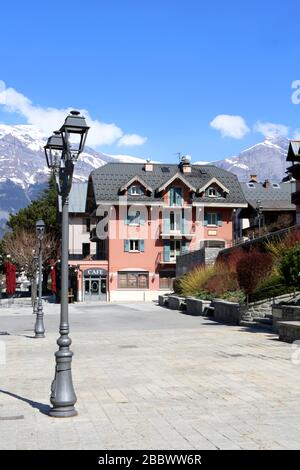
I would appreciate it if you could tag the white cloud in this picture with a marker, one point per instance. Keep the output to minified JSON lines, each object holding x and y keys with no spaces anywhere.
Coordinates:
{"x":128,"y":140}
{"x":269,"y":129}
{"x":49,"y":119}
{"x":230,"y":126}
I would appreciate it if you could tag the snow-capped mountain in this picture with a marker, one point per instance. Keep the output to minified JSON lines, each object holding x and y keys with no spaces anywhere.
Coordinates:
{"x":24,"y":173}
{"x":266,"y":159}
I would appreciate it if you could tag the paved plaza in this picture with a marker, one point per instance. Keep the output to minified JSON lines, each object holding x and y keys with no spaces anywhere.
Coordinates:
{"x":148,"y":378}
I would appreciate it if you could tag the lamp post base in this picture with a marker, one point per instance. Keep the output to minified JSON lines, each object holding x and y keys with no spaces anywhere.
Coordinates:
{"x":63,"y":412}
{"x":39,"y":335}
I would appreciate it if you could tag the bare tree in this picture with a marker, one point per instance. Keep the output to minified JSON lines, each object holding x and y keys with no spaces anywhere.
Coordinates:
{"x":22,"y":247}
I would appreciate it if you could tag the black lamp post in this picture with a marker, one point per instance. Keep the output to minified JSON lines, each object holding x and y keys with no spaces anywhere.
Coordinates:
{"x":39,"y":328}
{"x":62,"y":150}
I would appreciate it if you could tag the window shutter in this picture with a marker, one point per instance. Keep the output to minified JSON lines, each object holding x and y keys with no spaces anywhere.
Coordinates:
{"x":219,"y":219}
{"x":205,"y":221}
{"x":184,"y":246}
{"x":142,"y":219}
{"x":167,"y":251}
{"x":126,"y":245}
{"x":142,"y":245}
{"x":183,"y":224}
{"x":178,"y":197}
{"x":171,"y":195}
{"x":166,"y":228}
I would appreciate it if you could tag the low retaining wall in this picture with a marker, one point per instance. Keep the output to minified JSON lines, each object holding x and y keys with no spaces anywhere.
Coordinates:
{"x":176,"y":303}
{"x":195,"y":306}
{"x":261,"y":308}
{"x":228,"y":312}
{"x":284,"y":313}
{"x":289,"y":331}
{"x":163,"y":300}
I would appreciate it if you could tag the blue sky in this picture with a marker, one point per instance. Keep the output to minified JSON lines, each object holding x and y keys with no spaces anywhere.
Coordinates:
{"x":160,"y":71}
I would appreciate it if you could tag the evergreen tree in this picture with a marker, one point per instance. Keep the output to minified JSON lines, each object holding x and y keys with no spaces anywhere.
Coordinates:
{"x":43,"y":208}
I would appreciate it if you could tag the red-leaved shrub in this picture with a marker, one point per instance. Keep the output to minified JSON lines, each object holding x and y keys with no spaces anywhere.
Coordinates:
{"x":234,"y":257}
{"x":252,"y":269}
{"x":219,"y":283}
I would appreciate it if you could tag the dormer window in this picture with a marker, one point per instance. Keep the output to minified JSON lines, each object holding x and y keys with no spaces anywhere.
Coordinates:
{"x":212,"y":192}
{"x":136,"y":190}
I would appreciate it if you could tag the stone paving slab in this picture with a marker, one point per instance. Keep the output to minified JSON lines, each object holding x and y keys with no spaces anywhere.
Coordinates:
{"x":149,"y":378}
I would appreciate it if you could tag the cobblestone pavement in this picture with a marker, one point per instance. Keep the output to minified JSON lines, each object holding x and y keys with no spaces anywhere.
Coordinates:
{"x":148,"y":378}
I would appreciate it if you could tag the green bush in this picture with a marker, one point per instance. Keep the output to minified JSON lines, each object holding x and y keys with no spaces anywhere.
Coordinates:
{"x":289,"y":266}
{"x":271,"y":287}
{"x":192,"y":282}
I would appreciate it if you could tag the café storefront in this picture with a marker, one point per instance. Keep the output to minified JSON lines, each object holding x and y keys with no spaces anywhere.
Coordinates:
{"x":95,"y":284}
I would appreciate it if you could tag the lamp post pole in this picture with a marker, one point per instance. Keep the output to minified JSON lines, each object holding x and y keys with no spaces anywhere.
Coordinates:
{"x":34,"y":283}
{"x":39,"y":328}
{"x":61,"y":152}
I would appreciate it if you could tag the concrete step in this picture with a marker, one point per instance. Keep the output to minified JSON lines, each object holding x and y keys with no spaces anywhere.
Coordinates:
{"x":254,"y":324}
{"x":264,"y":320}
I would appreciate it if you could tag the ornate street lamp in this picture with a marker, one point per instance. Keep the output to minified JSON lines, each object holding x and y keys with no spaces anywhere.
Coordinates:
{"x":62,"y":150}
{"x":39,"y":328}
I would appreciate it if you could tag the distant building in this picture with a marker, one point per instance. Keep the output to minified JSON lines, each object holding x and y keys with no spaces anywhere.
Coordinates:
{"x":269,"y":208}
{"x":132,"y":220}
{"x":293,"y":156}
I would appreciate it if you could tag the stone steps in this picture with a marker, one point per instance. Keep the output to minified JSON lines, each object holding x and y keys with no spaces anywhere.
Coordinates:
{"x":263,"y":323}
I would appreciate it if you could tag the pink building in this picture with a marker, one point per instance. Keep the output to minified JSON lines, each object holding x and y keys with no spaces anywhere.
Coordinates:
{"x":131,"y":221}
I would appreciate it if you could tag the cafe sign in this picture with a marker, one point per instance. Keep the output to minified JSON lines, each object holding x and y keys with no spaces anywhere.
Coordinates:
{"x":95,"y":272}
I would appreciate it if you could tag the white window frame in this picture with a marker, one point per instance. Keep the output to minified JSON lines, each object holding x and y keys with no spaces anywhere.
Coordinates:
{"x":136,"y":192}
{"x":212,"y":215}
{"x":134,"y":241}
{"x":175,"y":254}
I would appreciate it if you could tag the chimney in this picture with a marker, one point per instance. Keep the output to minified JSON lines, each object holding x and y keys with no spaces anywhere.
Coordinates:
{"x":148,"y":165}
{"x":266,"y":184}
{"x":185,"y":164}
{"x":253,"y":179}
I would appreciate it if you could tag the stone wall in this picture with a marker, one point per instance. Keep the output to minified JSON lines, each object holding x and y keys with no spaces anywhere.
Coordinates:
{"x":289,"y":331}
{"x":188,"y":261}
{"x":196,"y":307}
{"x":228,"y":312}
{"x":285,"y":313}
{"x":265,"y":307}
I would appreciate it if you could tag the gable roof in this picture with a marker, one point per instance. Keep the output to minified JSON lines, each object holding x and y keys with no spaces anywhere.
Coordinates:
{"x":178,"y":176}
{"x":140,"y":180}
{"x":106,"y":181}
{"x":210,"y":182}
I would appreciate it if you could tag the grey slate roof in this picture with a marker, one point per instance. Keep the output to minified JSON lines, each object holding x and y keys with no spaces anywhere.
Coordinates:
{"x":77,"y":198}
{"x":293,"y":151}
{"x":107,"y":180}
{"x":271,"y":198}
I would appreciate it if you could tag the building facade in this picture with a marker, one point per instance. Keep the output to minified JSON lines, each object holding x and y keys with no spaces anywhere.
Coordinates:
{"x":269,"y":208}
{"x":293,"y":157}
{"x":135,"y":219}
